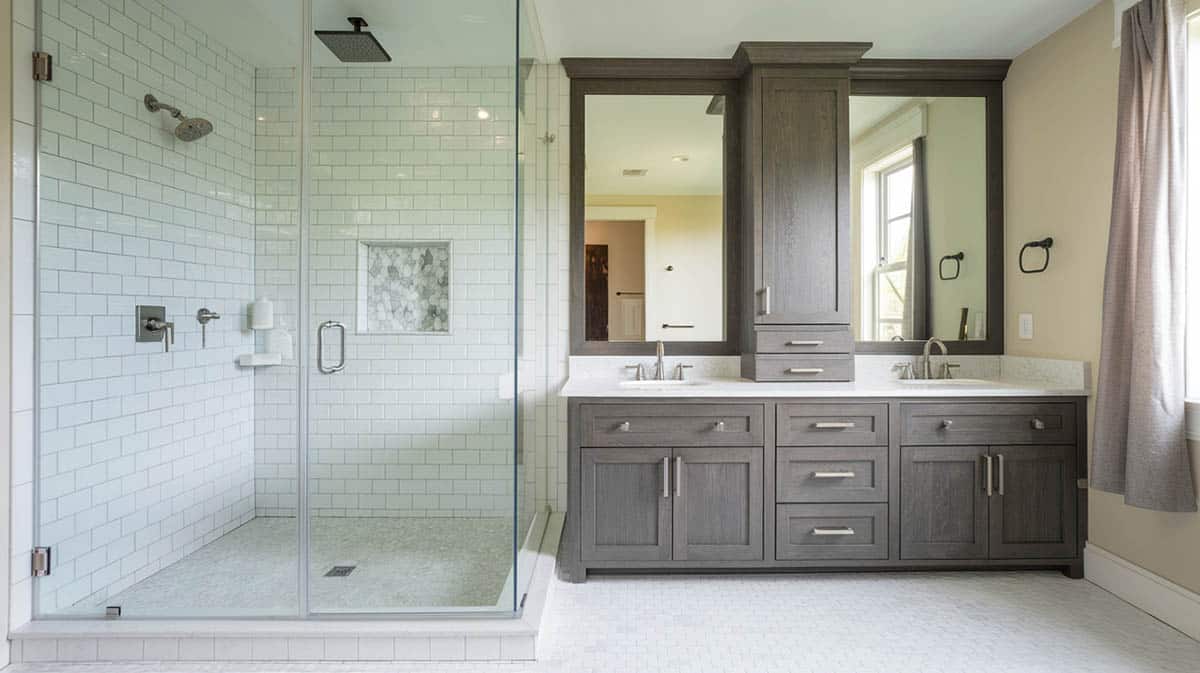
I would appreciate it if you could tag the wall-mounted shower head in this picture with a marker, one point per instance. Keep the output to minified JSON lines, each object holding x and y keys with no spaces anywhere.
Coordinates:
{"x":189,"y":128}
{"x":354,"y":46}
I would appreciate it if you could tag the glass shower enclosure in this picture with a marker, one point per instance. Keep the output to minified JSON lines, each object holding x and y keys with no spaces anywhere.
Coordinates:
{"x":279,"y":333}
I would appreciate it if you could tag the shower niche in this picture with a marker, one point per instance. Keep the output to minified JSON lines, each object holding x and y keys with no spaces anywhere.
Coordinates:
{"x":370,"y":177}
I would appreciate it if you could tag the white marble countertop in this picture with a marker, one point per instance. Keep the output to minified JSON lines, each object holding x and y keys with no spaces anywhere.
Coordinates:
{"x":737,"y":387}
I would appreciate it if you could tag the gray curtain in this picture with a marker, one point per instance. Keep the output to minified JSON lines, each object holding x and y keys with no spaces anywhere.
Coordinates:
{"x":916,"y":283}
{"x":1140,"y":449}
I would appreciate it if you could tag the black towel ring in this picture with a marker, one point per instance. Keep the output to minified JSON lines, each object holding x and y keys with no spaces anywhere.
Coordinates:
{"x":1044,"y":244}
{"x":957,"y":258}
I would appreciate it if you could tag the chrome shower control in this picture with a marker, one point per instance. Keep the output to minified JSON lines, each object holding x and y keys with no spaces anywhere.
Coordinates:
{"x":203,"y":316}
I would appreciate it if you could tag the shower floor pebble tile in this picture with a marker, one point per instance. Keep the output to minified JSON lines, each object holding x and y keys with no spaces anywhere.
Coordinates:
{"x":871,"y":623}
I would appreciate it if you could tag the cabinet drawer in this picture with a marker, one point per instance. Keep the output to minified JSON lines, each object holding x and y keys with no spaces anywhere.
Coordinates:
{"x":824,"y":474}
{"x":987,"y":424}
{"x":672,"y":425}
{"x":832,"y":532}
{"x":833,"y":339}
{"x":832,"y":425}
{"x":804,"y":367}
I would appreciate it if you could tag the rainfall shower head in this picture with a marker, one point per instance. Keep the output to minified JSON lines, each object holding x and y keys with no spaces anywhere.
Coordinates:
{"x":354,"y":46}
{"x":189,"y":128}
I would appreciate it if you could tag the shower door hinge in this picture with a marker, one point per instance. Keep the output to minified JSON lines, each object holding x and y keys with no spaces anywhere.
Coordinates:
{"x":43,"y":67}
{"x":39,"y":561}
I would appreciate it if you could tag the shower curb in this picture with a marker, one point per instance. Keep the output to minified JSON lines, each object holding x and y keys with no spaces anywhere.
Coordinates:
{"x":329,"y":640}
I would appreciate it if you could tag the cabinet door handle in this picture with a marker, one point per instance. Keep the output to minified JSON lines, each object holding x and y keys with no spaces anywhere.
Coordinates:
{"x":623,"y":427}
{"x":805,"y":370}
{"x":833,"y":425}
{"x":1000,"y":471}
{"x":988,"y":477}
{"x":1038,"y":424}
{"x":766,"y":301}
{"x":843,"y":530}
{"x":666,"y":476}
{"x":678,"y":476}
{"x":947,"y":424}
{"x":805,"y":343}
{"x":833,"y":475}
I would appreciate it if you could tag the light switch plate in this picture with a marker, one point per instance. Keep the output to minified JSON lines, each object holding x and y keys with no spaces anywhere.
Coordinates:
{"x":1025,"y":325}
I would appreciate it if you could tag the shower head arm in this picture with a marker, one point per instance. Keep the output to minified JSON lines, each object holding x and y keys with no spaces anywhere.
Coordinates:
{"x":153,"y":105}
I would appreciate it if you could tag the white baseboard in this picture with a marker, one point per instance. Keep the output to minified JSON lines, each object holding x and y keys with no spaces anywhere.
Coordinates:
{"x":1152,"y":593}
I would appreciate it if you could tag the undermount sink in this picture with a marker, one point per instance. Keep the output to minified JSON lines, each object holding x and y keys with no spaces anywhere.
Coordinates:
{"x":670,"y":383}
{"x":943,"y":382}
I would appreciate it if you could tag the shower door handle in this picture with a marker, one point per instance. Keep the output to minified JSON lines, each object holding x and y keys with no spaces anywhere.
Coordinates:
{"x":341,"y":364}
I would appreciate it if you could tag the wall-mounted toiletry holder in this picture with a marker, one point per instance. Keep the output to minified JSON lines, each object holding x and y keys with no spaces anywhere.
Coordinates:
{"x":1044,"y":244}
{"x":957,"y":258}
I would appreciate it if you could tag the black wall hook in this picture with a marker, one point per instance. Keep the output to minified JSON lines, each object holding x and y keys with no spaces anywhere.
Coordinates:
{"x":957,"y":258}
{"x":1044,"y":244}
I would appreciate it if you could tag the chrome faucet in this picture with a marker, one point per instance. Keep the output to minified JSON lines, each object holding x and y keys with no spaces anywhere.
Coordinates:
{"x":659,"y":368}
{"x":926,"y":368}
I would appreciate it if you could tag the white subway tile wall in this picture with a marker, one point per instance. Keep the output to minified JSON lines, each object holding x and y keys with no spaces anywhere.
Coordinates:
{"x":145,"y":455}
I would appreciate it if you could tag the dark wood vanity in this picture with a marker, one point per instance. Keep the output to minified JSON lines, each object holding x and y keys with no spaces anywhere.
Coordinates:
{"x":692,"y":484}
{"x":800,"y":481}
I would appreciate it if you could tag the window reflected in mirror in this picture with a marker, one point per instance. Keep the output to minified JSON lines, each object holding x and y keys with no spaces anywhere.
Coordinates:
{"x":654,"y":225}
{"x":918,"y":182}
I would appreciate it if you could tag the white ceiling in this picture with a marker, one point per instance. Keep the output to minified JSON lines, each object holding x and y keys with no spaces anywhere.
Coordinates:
{"x":646,"y":132}
{"x":867,"y":111}
{"x":713,"y":28}
{"x":416,"y":33}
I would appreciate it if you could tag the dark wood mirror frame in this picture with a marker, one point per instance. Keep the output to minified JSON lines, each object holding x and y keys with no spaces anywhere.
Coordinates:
{"x":955,"y":79}
{"x":868,"y":77}
{"x":635,"y":86}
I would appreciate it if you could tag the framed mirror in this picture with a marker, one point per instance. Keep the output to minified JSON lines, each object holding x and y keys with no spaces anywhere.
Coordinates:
{"x":926,"y":219}
{"x":653,"y":195}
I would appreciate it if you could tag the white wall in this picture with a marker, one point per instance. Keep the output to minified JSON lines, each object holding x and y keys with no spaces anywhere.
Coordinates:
{"x":145,"y":455}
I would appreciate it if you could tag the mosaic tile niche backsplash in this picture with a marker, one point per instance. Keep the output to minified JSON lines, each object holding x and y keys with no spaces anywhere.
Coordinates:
{"x":404,"y":287}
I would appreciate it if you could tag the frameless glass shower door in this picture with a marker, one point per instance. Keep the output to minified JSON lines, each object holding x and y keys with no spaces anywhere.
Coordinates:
{"x":411,"y":264}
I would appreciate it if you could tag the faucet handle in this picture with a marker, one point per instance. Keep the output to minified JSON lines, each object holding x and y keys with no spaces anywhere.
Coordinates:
{"x":641,"y":371}
{"x":905,"y":369}
{"x":679,"y":367}
{"x":947,"y":369}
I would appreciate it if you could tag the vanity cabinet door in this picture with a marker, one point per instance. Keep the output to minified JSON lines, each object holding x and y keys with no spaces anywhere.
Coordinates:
{"x":804,"y":275}
{"x":718,"y":494}
{"x":1033,"y":502}
{"x":625,"y":505}
{"x":943,"y":502}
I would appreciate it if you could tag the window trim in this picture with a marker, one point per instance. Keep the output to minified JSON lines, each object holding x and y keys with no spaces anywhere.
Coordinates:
{"x":898,"y":160}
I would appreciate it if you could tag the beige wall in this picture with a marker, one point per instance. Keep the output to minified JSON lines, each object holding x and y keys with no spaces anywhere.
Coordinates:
{"x":1060,"y":129}
{"x":689,"y":236}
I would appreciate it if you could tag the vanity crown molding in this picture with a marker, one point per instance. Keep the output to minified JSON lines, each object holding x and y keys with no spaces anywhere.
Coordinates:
{"x":798,"y":53}
{"x":992,"y":70}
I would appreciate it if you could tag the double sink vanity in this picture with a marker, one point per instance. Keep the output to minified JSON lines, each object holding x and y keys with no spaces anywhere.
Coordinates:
{"x":806,"y":232}
{"x":728,"y":473}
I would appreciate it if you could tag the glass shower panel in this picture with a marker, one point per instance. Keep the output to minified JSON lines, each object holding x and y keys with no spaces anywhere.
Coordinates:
{"x":166,"y":475}
{"x":411,"y":263}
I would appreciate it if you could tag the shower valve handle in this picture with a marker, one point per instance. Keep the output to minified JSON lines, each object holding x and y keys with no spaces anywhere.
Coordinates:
{"x":168,"y":330}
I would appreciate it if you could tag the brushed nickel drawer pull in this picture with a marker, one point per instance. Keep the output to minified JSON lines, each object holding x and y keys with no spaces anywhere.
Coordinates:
{"x":947,"y":424}
{"x":1000,"y":469}
{"x":844,"y":530}
{"x":833,"y":475}
{"x":1038,"y":424}
{"x":623,"y":427}
{"x":833,"y":425}
{"x":766,"y":295}
{"x":666,"y":476}
{"x":719,"y":426}
{"x":806,"y":370}
{"x":806,"y":343}
{"x":988,"y":477}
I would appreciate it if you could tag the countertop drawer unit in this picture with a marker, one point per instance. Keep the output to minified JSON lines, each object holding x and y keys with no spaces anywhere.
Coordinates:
{"x":671,"y":425}
{"x":813,"y":424}
{"x":804,"y":367}
{"x":831,"y":532}
{"x":987,"y":424}
{"x":804,"y":340}
{"x":842,"y":474}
